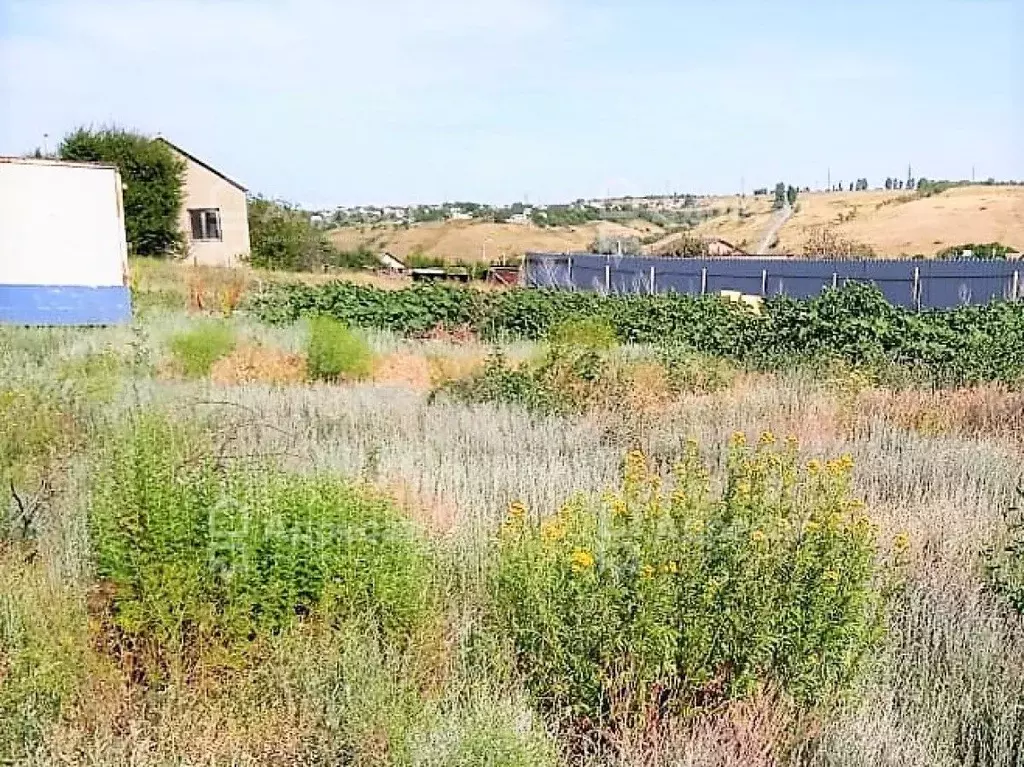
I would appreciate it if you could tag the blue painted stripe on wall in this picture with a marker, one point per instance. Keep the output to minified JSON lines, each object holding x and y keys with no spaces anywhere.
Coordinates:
{"x":64,"y":305}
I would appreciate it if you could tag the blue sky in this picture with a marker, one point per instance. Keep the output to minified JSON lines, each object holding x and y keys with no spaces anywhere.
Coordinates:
{"x":393,"y":101}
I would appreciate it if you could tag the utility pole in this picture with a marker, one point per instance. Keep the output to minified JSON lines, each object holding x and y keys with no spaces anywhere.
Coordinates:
{"x":829,"y":187}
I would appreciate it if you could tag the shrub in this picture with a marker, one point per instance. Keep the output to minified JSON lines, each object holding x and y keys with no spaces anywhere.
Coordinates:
{"x":334,"y":352}
{"x":654,"y":602}
{"x":195,"y":350}
{"x":36,"y":428}
{"x":982,"y":251}
{"x":153,"y":176}
{"x":42,"y":649}
{"x":566,"y":380}
{"x":97,"y":374}
{"x":596,"y":333}
{"x":198,"y":552}
{"x":689,"y":372}
{"x":502,"y":382}
{"x":826,"y":242}
{"x":282,"y":237}
{"x":1004,"y":563}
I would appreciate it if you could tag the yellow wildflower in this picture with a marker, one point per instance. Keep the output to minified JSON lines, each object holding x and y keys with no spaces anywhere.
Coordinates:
{"x":552,"y":530}
{"x":902,"y":541}
{"x":516,"y":510}
{"x":814,"y":466}
{"x":738,"y":439}
{"x":636,"y":467}
{"x":767,"y":438}
{"x":831,"y":576}
{"x":581,"y":560}
{"x":647,"y":571}
{"x":758,"y":536}
{"x":670,"y":567}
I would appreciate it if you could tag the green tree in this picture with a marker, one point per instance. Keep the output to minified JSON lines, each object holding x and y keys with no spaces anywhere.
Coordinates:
{"x":791,"y":194}
{"x":888,"y":183}
{"x":780,"y":195}
{"x":153,"y":177}
{"x":282,"y":237}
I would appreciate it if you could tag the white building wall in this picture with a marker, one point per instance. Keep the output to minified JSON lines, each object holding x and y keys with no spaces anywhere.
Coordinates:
{"x":61,"y":224}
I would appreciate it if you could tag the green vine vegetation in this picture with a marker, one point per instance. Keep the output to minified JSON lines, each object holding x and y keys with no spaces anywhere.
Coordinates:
{"x":854,"y":324}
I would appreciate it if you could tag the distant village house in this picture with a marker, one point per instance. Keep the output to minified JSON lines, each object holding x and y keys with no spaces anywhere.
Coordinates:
{"x":214,"y":214}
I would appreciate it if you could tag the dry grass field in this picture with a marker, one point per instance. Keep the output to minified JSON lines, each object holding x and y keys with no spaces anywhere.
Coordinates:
{"x":892,"y":223}
{"x":469,"y":241}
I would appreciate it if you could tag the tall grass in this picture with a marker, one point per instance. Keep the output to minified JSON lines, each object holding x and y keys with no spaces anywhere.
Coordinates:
{"x":946,"y":687}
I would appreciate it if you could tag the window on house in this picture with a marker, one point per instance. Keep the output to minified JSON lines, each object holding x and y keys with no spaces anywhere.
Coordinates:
{"x":205,"y":223}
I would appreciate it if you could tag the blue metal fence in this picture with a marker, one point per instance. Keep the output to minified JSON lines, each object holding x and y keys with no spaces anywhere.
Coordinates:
{"x":910,"y":283}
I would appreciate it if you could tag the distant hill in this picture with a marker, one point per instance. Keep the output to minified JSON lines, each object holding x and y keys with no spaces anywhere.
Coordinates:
{"x":891,"y":223}
{"x":476,"y":241}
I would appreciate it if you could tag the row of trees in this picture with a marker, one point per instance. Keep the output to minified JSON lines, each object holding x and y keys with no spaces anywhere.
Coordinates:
{"x":898,"y":183}
{"x":281,"y":235}
{"x":784,"y":195}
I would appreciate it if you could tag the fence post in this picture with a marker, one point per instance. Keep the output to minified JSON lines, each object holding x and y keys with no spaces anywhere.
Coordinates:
{"x":916,"y":290}
{"x":1016,"y":285}
{"x":835,"y":280}
{"x":703,"y":280}
{"x":652,"y":279}
{"x":570,"y":272}
{"x":607,"y":278}
{"x":764,"y":282}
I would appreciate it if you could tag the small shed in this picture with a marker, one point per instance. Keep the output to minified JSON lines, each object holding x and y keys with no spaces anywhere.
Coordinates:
{"x":63,"y":252}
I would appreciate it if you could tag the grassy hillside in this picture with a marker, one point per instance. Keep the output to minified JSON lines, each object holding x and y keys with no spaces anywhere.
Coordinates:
{"x":892,"y":223}
{"x":471,"y":241}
